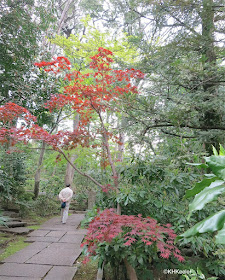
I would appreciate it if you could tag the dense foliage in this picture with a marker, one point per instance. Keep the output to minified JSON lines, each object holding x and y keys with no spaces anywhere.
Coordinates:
{"x":207,"y":191}
{"x":114,"y":237}
{"x":133,"y":133}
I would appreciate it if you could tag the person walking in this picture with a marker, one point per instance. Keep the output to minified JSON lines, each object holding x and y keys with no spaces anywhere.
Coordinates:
{"x":65,"y":195}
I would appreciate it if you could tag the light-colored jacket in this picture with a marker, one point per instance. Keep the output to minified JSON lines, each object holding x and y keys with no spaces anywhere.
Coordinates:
{"x":66,"y":194}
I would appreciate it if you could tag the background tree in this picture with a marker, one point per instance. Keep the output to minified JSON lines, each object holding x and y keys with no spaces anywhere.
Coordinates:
{"x":81,"y":46}
{"x":88,"y":94}
{"x":23,"y":25}
{"x":181,"y":44}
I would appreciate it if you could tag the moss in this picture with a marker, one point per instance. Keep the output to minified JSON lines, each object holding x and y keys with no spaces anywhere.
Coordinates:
{"x":14,"y":246}
{"x":34,"y":227}
{"x":12,"y":243}
{"x":37,"y":220}
{"x":86,"y":271}
{"x":4,"y":239}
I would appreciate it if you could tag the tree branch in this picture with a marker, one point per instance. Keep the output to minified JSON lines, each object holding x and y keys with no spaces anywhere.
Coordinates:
{"x":177,"y":135}
{"x":182,"y":23}
{"x":167,"y":124}
{"x":187,"y":126}
{"x":81,"y":173}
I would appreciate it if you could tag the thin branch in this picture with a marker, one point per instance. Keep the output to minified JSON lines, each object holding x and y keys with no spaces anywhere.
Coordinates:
{"x":181,"y":22}
{"x":81,"y":173}
{"x":37,"y":148}
{"x":167,"y":124}
{"x":56,"y":122}
{"x":188,"y":126}
{"x":140,"y":14}
{"x":177,"y":135}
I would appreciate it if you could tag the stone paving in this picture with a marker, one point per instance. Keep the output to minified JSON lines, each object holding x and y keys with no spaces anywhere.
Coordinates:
{"x":51,"y":255}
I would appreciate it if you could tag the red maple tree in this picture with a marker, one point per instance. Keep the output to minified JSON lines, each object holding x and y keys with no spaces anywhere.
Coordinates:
{"x":107,"y":226}
{"x":88,"y":94}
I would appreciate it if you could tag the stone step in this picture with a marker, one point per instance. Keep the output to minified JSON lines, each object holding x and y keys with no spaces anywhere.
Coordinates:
{"x":80,"y":212}
{"x":15,"y":220}
{"x":11,"y":214}
{"x":2,"y":251}
{"x":13,"y":224}
{"x":11,"y":207}
{"x":78,"y":207}
{"x":17,"y":230}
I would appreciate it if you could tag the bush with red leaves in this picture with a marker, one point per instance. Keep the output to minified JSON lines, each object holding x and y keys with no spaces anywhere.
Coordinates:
{"x":133,"y":237}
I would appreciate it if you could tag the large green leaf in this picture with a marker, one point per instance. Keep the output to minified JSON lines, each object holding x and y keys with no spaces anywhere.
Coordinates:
{"x":220,"y":237}
{"x":199,"y":187}
{"x":207,"y":195}
{"x":199,"y":165}
{"x":217,"y":165}
{"x":215,"y":152}
{"x":222,"y":151}
{"x":212,"y":223}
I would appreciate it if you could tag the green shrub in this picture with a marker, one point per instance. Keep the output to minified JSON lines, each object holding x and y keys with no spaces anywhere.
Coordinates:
{"x":43,"y":206}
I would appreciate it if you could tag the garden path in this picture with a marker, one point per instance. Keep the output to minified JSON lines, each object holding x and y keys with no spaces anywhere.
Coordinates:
{"x":51,"y":255}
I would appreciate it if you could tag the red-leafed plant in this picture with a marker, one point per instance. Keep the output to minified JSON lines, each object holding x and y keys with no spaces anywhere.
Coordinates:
{"x":114,"y":237}
{"x":89,"y":95}
{"x":11,"y":112}
{"x":93,"y":94}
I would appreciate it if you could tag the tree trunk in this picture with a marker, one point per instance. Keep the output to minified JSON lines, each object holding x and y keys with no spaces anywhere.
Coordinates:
{"x":113,"y":167}
{"x":120,"y":155}
{"x":38,"y":171}
{"x":121,"y":144}
{"x":69,"y":169}
{"x":91,"y":199}
{"x":210,"y":87}
{"x":61,"y":21}
{"x":41,"y":157}
{"x":130,"y":271}
{"x":100,"y":274}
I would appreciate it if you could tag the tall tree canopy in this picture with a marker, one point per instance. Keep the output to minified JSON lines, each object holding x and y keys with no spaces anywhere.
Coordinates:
{"x":22,"y":26}
{"x":182,"y":47}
